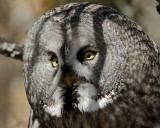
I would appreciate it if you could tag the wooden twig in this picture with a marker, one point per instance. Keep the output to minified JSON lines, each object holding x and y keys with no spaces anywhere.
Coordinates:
{"x":11,"y":49}
{"x":158,"y":6}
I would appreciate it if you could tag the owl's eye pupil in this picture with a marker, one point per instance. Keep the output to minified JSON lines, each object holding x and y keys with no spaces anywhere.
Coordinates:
{"x":54,"y":61}
{"x":89,"y":55}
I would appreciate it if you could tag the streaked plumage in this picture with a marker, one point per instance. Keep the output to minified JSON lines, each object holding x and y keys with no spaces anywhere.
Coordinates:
{"x":88,"y":66}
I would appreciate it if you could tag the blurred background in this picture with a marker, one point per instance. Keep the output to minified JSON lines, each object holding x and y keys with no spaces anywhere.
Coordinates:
{"x":17,"y":16}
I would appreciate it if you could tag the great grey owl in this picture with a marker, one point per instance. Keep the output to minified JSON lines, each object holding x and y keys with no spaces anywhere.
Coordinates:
{"x":88,"y":66}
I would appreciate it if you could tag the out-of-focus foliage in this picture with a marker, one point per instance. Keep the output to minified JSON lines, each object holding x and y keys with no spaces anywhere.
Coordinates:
{"x":17,"y":16}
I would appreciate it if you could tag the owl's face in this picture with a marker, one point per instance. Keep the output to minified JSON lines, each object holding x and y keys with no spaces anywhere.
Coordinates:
{"x":84,"y":60}
{"x":71,"y":65}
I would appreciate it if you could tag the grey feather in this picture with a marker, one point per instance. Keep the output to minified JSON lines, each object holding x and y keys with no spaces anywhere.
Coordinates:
{"x":119,"y":87}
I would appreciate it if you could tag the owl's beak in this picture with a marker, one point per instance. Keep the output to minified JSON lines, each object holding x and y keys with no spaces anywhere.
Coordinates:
{"x":69,"y":80}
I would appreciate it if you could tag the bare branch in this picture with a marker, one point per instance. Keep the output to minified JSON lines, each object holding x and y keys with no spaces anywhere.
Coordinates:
{"x":158,"y":6}
{"x":11,"y":49}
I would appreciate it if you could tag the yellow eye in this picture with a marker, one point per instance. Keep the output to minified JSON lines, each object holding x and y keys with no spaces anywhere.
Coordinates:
{"x":89,"y":55}
{"x":55,"y":61}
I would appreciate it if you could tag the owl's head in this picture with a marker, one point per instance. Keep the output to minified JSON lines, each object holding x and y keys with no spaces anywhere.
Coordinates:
{"x":77,"y":57}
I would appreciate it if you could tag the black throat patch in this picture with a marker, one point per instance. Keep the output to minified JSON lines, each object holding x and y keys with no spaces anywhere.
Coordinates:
{"x":70,"y":98}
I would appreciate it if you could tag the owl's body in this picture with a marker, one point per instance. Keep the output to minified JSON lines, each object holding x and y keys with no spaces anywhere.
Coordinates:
{"x":88,"y":66}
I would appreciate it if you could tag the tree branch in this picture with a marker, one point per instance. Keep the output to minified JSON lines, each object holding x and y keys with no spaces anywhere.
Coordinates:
{"x":158,"y":6}
{"x":11,"y":49}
